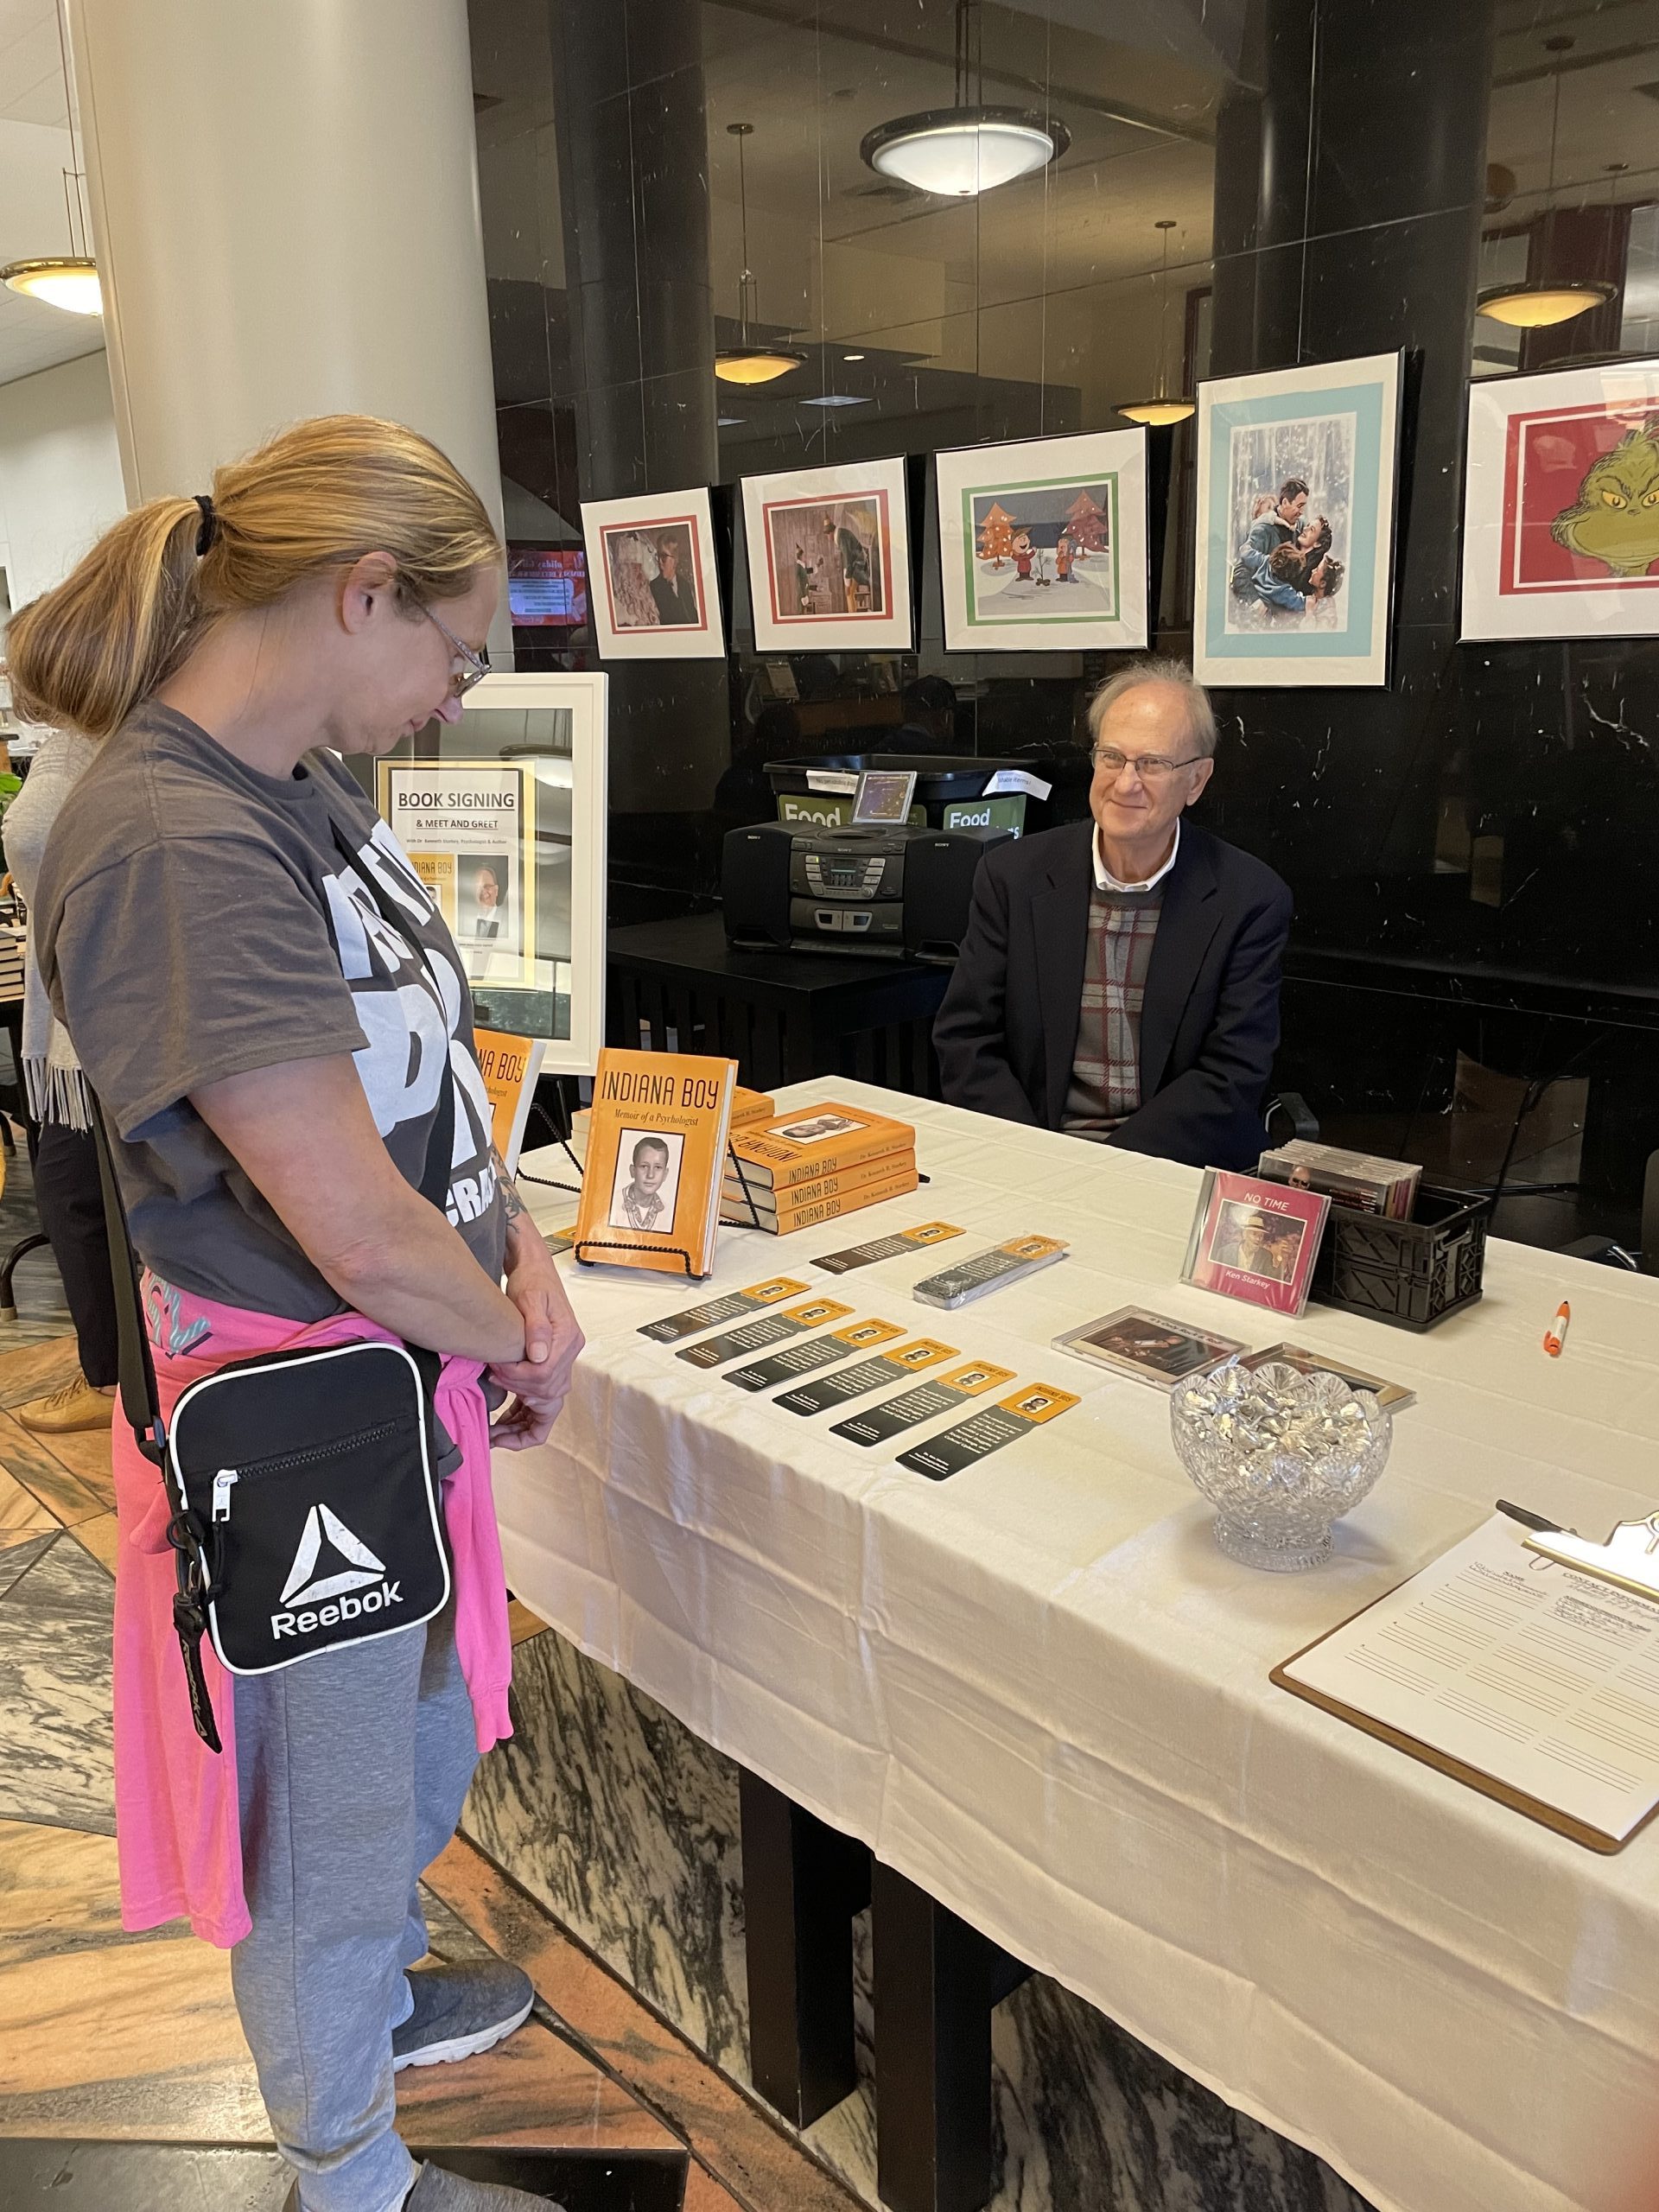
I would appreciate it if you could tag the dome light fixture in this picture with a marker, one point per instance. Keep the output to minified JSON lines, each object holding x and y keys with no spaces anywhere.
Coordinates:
{"x":1158,"y":413}
{"x":959,"y":151}
{"x":746,"y":362}
{"x":1541,"y":302}
{"x":63,"y":280}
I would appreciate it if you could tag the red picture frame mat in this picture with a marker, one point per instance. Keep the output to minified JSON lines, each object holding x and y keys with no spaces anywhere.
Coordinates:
{"x":1516,"y":426}
{"x":687,"y":523}
{"x":876,"y":494}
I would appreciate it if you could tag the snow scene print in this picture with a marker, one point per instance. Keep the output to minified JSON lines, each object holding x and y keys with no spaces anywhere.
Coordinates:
{"x":1291,"y":500}
{"x":1034,"y":540}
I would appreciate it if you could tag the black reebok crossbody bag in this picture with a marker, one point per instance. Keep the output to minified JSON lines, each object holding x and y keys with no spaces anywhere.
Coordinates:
{"x":303,"y":1485}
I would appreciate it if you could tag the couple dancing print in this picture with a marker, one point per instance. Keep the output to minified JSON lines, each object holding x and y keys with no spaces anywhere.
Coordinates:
{"x":1285,"y":565}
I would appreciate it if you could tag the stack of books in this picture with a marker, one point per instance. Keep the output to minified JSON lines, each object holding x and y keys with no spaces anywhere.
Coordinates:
{"x":749,"y":1107}
{"x":816,"y":1164}
{"x":1357,"y":1179}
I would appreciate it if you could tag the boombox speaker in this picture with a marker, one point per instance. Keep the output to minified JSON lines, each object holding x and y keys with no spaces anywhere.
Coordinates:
{"x":939,"y":865}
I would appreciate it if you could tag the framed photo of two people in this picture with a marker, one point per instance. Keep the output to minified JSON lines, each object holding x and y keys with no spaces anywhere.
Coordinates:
{"x":1297,"y":477}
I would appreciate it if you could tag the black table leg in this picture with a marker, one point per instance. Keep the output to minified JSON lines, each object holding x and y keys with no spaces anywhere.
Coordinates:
{"x":803,"y":1882}
{"x":937,"y":1982}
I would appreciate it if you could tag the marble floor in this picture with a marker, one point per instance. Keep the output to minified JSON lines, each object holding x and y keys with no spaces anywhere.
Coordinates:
{"x":124,"y":2080}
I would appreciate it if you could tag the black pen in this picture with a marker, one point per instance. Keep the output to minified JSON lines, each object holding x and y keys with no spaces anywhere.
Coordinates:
{"x":1535,"y":1521}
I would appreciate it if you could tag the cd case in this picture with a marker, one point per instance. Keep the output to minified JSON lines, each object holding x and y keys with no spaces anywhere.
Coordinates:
{"x":1147,"y":1346}
{"x":1255,"y":1241}
{"x":1394,"y":1395}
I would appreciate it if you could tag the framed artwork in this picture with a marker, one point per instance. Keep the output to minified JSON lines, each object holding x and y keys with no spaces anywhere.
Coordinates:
{"x":1560,"y":505}
{"x":502,"y":815}
{"x":652,"y":583}
{"x":1043,"y":544}
{"x":830,"y":558}
{"x":1297,"y":478}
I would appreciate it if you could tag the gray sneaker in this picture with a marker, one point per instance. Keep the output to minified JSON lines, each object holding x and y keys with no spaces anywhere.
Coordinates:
{"x":461,"y":2010}
{"x":438,"y":2191}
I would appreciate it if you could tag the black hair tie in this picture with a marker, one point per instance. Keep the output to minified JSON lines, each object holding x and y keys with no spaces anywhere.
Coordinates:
{"x":209,"y":530}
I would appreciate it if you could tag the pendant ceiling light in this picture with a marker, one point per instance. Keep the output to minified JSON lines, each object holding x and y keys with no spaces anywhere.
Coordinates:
{"x":1166,"y":408}
{"x":968,"y":148}
{"x":746,"y":363}
{"x":1539,"y":302}
{"x":63,"y":280}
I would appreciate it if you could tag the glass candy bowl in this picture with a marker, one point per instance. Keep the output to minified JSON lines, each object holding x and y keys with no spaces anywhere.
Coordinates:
{"x":1280,"y":1455}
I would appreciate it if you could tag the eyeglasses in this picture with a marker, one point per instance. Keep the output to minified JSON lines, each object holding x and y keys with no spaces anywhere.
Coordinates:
{"x":475,"y":665}
{"x":1150,"y":767}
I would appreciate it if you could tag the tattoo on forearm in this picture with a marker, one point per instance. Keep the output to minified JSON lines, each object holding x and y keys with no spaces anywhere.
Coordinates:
{"x":516,"y":1208}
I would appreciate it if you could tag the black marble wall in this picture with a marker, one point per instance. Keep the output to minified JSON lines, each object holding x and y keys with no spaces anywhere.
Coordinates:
{"x":1475,"y":968}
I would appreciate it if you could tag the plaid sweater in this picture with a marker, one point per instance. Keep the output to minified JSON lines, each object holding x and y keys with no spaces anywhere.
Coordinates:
{"x":1105,"y":1085}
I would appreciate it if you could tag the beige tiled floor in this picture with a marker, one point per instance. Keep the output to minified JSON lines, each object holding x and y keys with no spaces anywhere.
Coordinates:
{"x":106,"y":2036}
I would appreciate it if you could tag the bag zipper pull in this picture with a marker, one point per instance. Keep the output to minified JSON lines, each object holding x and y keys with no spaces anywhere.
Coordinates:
{"x":222,"y":1482}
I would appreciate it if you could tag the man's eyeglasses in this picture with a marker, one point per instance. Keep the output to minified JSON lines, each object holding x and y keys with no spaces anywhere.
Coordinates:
{"x":475,"y":666}
{"x":1150,"y":767}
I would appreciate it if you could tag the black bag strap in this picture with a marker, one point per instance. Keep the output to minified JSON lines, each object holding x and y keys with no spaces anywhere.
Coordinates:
{"x":136,"y":1368}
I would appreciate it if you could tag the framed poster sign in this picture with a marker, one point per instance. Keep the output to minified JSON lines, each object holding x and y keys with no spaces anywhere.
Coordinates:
{"x":1043,"y":544}
{"x":1297,"y":475}
{"x":1560,"y":505}
{"x":502,"y":815}
{"x":653,"y":583}
{"x":828,"y":552}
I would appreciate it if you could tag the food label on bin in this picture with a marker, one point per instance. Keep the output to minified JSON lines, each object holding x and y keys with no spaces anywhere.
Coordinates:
{"x":820,"y":1352}
{"x":888,"y":1248}
{"x":944,"y":1395}
{"x":713,"y":1311}
{"x":714,"y":1351}
{"x":866,"y":1375}
{"x":983,"y":1432}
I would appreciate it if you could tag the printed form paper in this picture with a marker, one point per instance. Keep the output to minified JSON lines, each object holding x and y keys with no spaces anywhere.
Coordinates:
{"x":1541,"y":1677}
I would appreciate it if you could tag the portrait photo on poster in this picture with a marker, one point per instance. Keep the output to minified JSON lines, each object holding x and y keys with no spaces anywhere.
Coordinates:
{"x":1560,"y":516}
{"x":829,"y":558}
{"x":653,"y":579}
{"x":646,"y":1188}
{"x":1043,"y":544}
{"x":486,"y":902}
{"x":1297,"y":478}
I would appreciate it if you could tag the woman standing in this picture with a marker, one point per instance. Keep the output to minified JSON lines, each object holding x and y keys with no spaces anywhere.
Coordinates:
{"x":272,"y":1055}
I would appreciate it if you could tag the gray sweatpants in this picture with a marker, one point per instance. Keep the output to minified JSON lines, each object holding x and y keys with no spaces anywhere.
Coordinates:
{"x":351,"y":1768}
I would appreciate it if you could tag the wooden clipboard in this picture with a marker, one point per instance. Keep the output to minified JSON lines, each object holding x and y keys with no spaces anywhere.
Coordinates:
{"x":1518,"y":1801}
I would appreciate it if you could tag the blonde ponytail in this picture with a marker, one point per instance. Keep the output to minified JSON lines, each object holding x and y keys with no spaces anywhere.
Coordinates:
{"x":318,"y":496}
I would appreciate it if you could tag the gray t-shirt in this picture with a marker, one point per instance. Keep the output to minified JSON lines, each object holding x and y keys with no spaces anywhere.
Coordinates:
{"x":196,"y":920}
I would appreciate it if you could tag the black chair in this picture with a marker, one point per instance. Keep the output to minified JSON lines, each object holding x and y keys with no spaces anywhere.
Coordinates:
{"x":1644,"y":1260}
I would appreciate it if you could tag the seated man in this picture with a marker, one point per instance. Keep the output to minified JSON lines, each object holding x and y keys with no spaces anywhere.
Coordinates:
{"x":1120,"y":978}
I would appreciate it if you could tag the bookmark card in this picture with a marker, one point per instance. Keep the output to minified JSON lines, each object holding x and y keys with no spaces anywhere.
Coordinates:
{"x":880,"y":1422}
{"x":888,"y":1248}
{"x":866,"y":1375}
{"x":982,"y":1433}
{"x":713,"y":1311}
{"x":714,"y":1351}
{"x":820,"y":1352}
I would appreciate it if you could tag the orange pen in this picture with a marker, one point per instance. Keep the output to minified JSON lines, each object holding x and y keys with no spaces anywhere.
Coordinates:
{"x":1555,"y":1334}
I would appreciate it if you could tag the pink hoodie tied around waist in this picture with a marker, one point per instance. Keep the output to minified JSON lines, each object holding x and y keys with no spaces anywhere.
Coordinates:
{"x":177,"y":1831}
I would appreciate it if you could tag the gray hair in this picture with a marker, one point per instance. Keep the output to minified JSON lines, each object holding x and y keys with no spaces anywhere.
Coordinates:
{"x":1200,"y":715}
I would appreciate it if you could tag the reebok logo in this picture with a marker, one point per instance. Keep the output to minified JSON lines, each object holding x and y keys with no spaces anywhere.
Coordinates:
{"x":350,"y":1591}
{"x":322,"y":1520}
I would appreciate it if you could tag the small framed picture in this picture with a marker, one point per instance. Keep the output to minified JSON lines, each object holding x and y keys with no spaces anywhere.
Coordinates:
{"x":884,"y":796}
{"x":828,"y":552}
{"x":1305,"y":1362}
{"x":1255,"y":1240}
{"x":1149,"y":1347}
{"x":654,"y":582}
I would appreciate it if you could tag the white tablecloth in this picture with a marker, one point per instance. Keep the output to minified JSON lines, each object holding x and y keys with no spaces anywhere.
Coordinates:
{"x":1040,"y":1691}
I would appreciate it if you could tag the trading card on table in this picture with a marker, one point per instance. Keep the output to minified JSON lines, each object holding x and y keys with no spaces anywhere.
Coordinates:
{"x":1148,"y":1346}
{"x":671,"y":1327}
{"x":1256,"y":1239}
{"x":1394,"y":1395}
{"x":999,"y":1264}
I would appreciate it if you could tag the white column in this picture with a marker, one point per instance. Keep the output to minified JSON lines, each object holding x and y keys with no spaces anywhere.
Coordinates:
{"x":286,"y":219}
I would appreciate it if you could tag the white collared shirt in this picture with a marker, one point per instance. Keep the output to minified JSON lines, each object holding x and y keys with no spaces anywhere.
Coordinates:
{"x":1105,"y":881}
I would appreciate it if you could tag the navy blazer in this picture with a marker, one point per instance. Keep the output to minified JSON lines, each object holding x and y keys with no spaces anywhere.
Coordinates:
{"x":1007,"y":1032}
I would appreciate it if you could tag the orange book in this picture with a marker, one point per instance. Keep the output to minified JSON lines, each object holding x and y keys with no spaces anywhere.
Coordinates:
{"x":751,"y":1106}
{"x":509,"y":1066}
{"x":823,"y":1187}
{"x":817,"y":1140}
{"x":651,"y":1183}
{"x":781,"y":1220}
